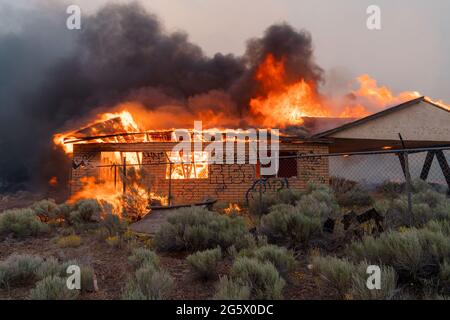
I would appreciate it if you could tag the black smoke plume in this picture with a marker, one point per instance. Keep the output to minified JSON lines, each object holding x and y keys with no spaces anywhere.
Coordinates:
{"x":55,"y":78}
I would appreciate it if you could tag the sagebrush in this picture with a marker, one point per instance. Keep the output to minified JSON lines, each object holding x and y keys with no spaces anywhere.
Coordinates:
{"x":21,"y":223}
{"x":53,"y":288}
{"x":287,"y":225}
{"x":262,"y":278}
{"x":196,"y":229}
{"x":204,"y":263}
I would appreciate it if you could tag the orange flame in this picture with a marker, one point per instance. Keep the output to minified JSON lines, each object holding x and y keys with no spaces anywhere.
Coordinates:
{"x":194,"y":168}
{"x":105,"y":124}
{"x":378,"y":98}
{"x":284,"y":103}
{"x":99,"y":191}
{"x":440,"y":103}
{"x":233,"y":208}
{"x":280,"y":103}
{"x":107,"y":192}
{"x":53,"y":181}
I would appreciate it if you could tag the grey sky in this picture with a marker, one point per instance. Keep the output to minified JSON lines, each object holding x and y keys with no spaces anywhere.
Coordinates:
{"x":411,"y":52}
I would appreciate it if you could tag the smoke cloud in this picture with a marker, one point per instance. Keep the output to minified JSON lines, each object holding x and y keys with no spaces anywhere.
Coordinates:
{"x":55,"y":78}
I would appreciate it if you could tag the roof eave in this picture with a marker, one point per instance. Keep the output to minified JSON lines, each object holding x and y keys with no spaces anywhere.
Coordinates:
{"x":382,"y":113}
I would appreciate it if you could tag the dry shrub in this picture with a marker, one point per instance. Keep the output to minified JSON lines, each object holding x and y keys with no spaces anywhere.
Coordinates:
{"x":442,"y":226}
{"x":262,"y":278}
{"x":319,"y":202}
{"x":198,"y":229}
{"x":428,"y":203}
{"x":50,"y":267}
{"x":84,"y":211}
{"x":336,"y":272}
{"x":136,"y":200}
{"x":46,"y":210}
{"x":412,"y":252}
{"x":247,"y":245}
{"x":72,"y":241}
{"x":228,"y":289}
{"x":285,"y":224}
{"x":23,"y":270}
{"x":143,"y":256}
{"x":355,"y":197}
{"x":114,"y":225}
{"x":444,"y":276}
{"x":282,"y":258}
{"x":341,"y":185}
{"x":148,"y":283}
{"x":21,"y":223}
{"x":204,"y":263}
{"x":261,"y":206}
{"x":87,"y":274}
{"x":298,"y":225}
{"x":87,"y":279}
{"x":423,"y":210}
{"x":288,"y":196}
{"x":18,"y":270}
{"x":53,"y":288}
{"x":391,"y":189}
{"x":350,"y":280}
{"x":114,"y":241}
{"x":387,"y":291}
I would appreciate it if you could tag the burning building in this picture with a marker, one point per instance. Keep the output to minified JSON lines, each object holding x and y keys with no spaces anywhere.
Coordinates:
{"x":164,"y":83}
{"x":113,"y":156}
{"x":102,"y":162}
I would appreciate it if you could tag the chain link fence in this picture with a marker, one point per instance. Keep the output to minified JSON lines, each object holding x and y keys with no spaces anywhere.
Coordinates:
{"x":373,"y":169}
{"x":368,"y":169}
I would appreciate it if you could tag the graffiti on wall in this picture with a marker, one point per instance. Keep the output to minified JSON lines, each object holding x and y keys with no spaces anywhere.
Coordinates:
{"x":154,"y":157}
{"x":83,"y":161}
{"x":230,"y":174}
{"x":224,"y":175}
{"x":266,"y":185}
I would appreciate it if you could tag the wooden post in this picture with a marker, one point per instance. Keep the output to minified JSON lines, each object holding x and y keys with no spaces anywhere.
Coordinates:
{"x":124,"y":179}
{"x":260,"y":198}
{"x":409,"y":189}
{"x":170,"y":184}
{"x":444,"y":166}
{"x":115,"y":176}
{"x":70,"y":180}
{"x":402,"y":159}
{"x":427,"y":165}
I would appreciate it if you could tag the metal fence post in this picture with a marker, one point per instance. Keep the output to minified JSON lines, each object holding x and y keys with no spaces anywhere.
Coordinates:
{"x":115,"y":176}
{"x":170,"y":184}
{"x":408,"y":188}
{"x":260,"y":209}
{"x":124,"y":180}
{"x":408,"y":185}
{"x":71,"y":179}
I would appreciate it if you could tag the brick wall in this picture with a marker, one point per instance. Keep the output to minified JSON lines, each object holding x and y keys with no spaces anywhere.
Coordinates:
{"x":224,"y":183}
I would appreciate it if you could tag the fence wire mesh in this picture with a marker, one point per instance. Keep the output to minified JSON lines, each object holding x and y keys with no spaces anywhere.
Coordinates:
{"x":371,"y":170}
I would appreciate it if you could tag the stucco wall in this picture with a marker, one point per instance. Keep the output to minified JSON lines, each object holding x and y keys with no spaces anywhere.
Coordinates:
{"x":420,"y":122}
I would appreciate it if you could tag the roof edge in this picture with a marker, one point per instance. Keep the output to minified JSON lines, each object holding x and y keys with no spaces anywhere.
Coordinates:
{"x":377,"y":115}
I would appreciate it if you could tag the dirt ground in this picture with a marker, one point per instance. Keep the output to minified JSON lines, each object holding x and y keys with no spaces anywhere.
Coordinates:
{"x":22,"y":199}
{"x":112,"y":269}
